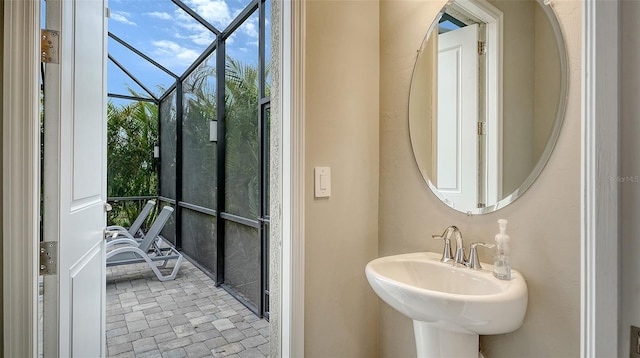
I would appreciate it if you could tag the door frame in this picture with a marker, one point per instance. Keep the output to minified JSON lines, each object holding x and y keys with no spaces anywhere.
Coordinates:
{"x":599,"y":199}
{"x":20,"y":177}
{"x":287,"y":182}
{"x":492,"y":109}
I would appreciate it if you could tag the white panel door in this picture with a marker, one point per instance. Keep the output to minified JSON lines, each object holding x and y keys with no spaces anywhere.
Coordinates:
{"x":75,"y":180}
{"x":456,"y":146}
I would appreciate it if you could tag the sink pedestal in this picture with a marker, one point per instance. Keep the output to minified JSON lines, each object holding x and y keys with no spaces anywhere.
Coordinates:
{"x":435,"y":342}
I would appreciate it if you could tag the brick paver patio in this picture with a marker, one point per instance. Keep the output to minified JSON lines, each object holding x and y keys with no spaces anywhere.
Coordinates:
{"x":186,"y":317}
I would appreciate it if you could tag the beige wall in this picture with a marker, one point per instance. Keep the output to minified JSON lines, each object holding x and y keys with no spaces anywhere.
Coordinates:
{"x":547,"y":82}
{"x":531,"y":88}
{"x":518,"y":97}
{"x":629,"y":170}
{"x":341,"y":131}
{"x":544,"y":223}
{"x":423,"y":106}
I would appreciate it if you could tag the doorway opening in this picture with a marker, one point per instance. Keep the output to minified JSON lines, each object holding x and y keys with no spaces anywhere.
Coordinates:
{"x":208,"y":157}
{"x":188,"y":127}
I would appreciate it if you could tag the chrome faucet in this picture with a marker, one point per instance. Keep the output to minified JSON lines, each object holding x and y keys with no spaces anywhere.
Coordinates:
{"x":473,"y":262}
{"x":446,"y":254}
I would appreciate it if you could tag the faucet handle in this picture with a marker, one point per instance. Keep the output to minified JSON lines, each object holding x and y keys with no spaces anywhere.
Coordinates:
{"x":474,"y":261}
{"x":459,"y":257}
{"x":446,"y":252}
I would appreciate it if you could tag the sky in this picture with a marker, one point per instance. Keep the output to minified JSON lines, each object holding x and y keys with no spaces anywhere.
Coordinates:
{"x":167,"y":34}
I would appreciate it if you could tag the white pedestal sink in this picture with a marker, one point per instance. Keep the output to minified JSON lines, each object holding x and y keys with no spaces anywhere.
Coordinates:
{"x":450,"y":305}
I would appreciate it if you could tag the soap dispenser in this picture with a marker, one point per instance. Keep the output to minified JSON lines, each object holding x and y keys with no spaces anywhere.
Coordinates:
{"x":501,"y":264}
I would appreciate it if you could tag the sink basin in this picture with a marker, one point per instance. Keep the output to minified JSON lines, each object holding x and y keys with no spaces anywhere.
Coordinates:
{"x":449,"y":304}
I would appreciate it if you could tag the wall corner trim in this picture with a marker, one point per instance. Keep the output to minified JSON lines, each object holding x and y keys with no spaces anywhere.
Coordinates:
{"x":20,"y":173}
{"x":294,"y":144}
{"x":599,"y":204}
{"x":288,"y":154}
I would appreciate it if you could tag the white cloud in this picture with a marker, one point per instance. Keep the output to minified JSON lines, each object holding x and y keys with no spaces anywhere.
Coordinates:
{"x":173,"y":54}
{"x":250,"y":28}
{"x":121,"y":16}
{"x":191,"y":34}
{"x":232,"y":38}
{"x":203,"y":38}
{"x":214,"y":11}
{"x":194,"y":30}
{"x":160,"y":15}
{"x":246,"y":34}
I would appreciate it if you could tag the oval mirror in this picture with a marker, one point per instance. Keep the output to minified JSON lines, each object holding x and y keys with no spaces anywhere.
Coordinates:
{"x":487,"y":100}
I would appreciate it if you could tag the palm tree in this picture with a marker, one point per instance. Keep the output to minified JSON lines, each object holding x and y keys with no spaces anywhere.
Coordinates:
{"x":132,"y":132}
{"x":242,"y":141}
{"x":243,"y":144}
{"x":199,"y":157}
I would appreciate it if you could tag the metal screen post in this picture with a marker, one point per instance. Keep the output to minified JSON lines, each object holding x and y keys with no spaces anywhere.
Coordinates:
{"x":179,"y":121}
{"x":221,"y":151}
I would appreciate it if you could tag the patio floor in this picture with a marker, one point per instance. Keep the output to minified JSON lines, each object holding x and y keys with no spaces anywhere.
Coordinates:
{"x":186,"y":317}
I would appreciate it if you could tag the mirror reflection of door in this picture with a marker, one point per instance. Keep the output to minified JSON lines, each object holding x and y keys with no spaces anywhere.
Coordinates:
{"x":465,"y":59}
{"x":456,"y":175}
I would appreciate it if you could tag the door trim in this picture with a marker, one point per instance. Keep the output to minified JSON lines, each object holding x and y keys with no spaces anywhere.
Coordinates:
{"x":21,"y":177}
{"x":287,"y":184}
{"x":296,"y":147}
{"x":599,"y":204}
{"x":493,"y":18}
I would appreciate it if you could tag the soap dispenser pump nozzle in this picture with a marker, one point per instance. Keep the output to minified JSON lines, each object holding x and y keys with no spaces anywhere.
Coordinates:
{"x":502,"y":225}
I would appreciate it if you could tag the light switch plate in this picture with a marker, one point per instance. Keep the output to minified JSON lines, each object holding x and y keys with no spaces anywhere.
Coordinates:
{"x":322,"y":182}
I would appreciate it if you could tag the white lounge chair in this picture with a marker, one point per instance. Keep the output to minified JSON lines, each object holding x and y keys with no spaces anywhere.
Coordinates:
{"x":135,"y":229}
{"x":126,"y":250}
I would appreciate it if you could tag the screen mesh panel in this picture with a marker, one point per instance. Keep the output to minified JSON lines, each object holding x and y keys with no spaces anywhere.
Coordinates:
{"x":242,"y":261}
{"x":168,"y":146}
{"x":199,"y":148}
{"x":199,"y":238}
